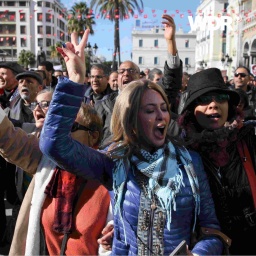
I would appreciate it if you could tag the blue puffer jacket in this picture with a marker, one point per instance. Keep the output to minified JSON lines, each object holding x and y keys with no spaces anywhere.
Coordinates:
{"x":57,"y":144}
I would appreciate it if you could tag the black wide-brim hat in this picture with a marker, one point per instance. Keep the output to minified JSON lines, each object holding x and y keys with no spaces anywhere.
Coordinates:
{"x":208,"y":80}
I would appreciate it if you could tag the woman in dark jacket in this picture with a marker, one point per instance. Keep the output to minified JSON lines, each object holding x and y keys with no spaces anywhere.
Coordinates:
{"x":214,"y":128}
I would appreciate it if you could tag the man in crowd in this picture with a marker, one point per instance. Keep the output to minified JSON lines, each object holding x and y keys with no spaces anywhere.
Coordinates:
{"x":8,"y":92}
{"x":100,"y":88}
{"x":156,"y":75}
{"x":113,"y":77}
{"x":146,"y":72}
{"x":29,"y":84}
{"x":128,"y":71}
{"x":8,"y":82}
{"x":58,"y":73}
{"x":242,"y":80}
{"x":51,"y":81}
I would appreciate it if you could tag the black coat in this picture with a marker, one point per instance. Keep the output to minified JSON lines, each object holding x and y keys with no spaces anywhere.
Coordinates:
{"x":232,"y":194}
{"x":104,"y":109}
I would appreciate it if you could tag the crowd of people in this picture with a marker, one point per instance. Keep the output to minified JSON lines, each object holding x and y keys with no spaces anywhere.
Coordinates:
{"x":129,"y":162}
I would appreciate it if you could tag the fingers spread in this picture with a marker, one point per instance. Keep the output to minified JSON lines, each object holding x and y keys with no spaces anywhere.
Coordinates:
{"x":74,"y":38}
{"x":84,"y":40}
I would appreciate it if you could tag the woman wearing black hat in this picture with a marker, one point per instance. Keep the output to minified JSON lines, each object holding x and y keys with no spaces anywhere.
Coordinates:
{"x":214,"y":127}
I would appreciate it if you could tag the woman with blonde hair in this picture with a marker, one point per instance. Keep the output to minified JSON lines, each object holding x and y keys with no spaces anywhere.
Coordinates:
{"x":160,"y":188}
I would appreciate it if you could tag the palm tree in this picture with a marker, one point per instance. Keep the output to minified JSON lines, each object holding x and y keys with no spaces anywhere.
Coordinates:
{"x":117,"y":10}
{"x":80,"y":18}
{"x":26,"y":58}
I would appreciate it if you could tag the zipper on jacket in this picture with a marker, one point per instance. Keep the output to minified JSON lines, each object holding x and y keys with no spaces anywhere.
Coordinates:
{"x":150,"y":230}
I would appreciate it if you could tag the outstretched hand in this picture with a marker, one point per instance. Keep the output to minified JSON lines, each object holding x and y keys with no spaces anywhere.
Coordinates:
{"x":73,"y":54}
{"x":170,"y":27}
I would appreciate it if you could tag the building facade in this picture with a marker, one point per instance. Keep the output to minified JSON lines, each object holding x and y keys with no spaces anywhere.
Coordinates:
{"x":232,"y":44}
{"x":32,"y":26}
{"x":149,"y":48}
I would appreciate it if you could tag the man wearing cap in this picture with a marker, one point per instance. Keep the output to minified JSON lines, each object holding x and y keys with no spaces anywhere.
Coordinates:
{"x":51,"y":81}
{"x":8,"y":82}
{"x":8,"y":92}
{"x":29,"y":84}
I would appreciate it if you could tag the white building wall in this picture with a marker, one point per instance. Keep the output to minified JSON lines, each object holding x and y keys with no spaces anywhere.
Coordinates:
{"x":148,"y":51}
{"x":27,"y":39}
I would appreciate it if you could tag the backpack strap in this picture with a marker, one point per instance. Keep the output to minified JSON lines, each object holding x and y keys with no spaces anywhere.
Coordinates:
{"x":247,"y":163}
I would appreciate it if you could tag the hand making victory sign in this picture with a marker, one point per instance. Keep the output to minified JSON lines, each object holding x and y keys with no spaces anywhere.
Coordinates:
{"x":73,"y":54}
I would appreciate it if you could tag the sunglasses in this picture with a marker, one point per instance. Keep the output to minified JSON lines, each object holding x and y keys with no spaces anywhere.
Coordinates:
{"x":76,"y":126}
{"x":207,"y":99}
{"x":240,"y":74}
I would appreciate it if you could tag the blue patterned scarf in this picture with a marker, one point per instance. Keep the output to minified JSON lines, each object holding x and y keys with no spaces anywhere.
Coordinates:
{"x":162,"y":168}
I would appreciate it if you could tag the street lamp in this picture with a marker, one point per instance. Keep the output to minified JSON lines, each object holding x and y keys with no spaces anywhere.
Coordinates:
{"x":91,"y":53}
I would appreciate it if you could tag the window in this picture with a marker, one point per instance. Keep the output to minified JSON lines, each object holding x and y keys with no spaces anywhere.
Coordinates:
{"x":39,"y":4}
{"x":48,"y":17}
{"x":140,"y":43}
{"x":7,"y":29}
{"x":48,"y":30}
{"x":22,"y":3}
{"x":40,"y":42}
{"x":23,"y":29}
{"x":156,"y":61}
{"x":22,"y":17}
{"x":23,"y":42}
{"x":156,"y":42}
{"x":187,"y":43}
{"x":140,"y":60}
{"x":48,"y":42}
{"x":186,"y":61}
{"x":39,"y":17}
{"x":47,"y":4}
{"x":11,"y":3}
{"x":40,"y":29}
{"x":157,"y":30}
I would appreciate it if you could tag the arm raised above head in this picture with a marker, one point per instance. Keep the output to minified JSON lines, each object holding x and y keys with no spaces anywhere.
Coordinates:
{"x":55,"y":141}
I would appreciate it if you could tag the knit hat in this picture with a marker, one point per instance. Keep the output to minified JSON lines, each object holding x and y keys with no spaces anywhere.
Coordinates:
{"x":14,"y":66}
{"x":208,"y":80}
{"x":30,"y":74}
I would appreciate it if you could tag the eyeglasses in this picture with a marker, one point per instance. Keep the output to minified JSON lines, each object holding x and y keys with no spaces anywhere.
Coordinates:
{"x":42,"y":104}
{"x":129,"y":70}
{"x":98,"y":77}
{"x":207,"y":99}
{"x":240,"y":74}
{"x":76,"y":126}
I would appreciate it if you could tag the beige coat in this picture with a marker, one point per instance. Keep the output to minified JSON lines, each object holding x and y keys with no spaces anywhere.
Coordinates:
{"x":21,"y":149}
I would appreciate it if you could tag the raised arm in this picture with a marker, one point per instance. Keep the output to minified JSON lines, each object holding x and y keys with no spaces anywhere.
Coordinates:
{"x":18,"y":147}
{"x":55,"y":141}
{"x":173,"y":66}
